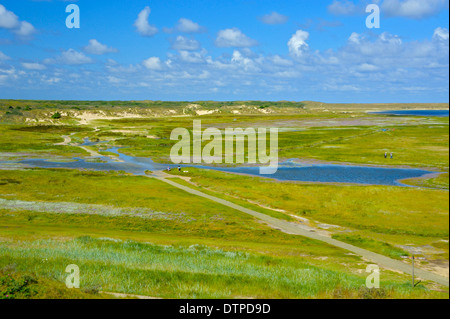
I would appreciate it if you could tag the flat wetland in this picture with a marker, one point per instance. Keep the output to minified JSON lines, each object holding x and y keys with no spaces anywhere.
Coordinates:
{"x":134,"y":234}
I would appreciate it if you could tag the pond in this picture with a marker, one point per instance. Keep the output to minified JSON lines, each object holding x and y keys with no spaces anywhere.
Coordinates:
{"x":288,"y":171}
{"x":438,"y":113}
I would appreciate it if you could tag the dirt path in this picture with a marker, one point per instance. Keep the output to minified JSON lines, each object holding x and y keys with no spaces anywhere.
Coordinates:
{"x":121,"y":295}
{"x":91,"y":152}
{"x":296,"y":229}
{"x":67,"y":140}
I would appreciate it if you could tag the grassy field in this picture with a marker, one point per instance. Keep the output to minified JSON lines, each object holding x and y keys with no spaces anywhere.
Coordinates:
{"x":194,"y":272}
{"x":373,"y":211}
{"x":138,"y":235}
{"x":440,"y":181}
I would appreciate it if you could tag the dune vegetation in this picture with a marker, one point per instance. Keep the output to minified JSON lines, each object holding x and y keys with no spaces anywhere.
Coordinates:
{"x":140,"y":236}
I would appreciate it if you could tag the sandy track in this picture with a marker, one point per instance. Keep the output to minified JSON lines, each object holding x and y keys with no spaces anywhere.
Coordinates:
{"x":296,"y":229}
{"x":67,"y":140}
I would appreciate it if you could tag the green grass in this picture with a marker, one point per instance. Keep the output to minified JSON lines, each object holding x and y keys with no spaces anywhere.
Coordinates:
{"x":326,"y":136}
{"x":155,"y":209}
{"x":182,"y":212}
{"x":167,"y":243}
{"x":372,"y":210}
{"x":373,"y":245}
{"x":191,"y":272}
{"x":25,"y":285}
{"x":31,"y":235}
{"x":440,"y":182}
{"x":38,"y":141}
{"x":415,"y":146}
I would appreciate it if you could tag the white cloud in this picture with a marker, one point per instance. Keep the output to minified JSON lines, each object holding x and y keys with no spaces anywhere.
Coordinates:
{"x":186,"y":26}
{"x":8,"y":20}
{"x":274,"y":18}
{"x":354,"y":38}
{"x":114,"y":80}
{"x":366,"y":67}
{"x":379,"y":46}
{"x":70,"y":57}
{"x":245,"y":62}
{"x":234,"y":38}
{"x":3,"y":57}
{"x":390,"y":39}
{"x":7,"y":75}
{"x":193,"y":57}
{"x":344,"y":7}
{"x":297,"y":44}
{"x":50,"y":80}
{"x":33,"y":66}
{"x":114,"y":67}
{"x":95,"y":47}
{"x":183,"y":43}
{"x":413,"y":9}
{"x":277,"y":60}
{"x":370,"y":65}
{"x":153,"y":63}
{"x":26,"y":29}
{"x":441,"y":34}
{"x":142,"y":25}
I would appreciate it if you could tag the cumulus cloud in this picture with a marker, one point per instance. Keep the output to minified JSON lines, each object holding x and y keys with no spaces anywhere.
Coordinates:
{"x":25,"y":29}
{"x":441,"y":34}
{"x":377,"y":46}
{"x":153,"y":63}
{"x":414,"y":9}
{"x":344,"y":7}
{"x":278,"y":60}
{"x":245,"y":62}
{"x":234,"y":38}
{"x":8,"y":20}
{"x":3,"y":57}
{"x":34,"y":66}
{"x":7,"y":75}
{"x":192,"y":57}
{"x":370,"y":65}
{"x":186,"y":26}
{"x":183,"y":43}
{"x":95,"y":47}
{"x":297,"y":44}
{"x":274,"y":18}
{"x":70,"y":57}
{"x":354,"y":38}
{"x":142,"y":26}
{"x":366,"y":67}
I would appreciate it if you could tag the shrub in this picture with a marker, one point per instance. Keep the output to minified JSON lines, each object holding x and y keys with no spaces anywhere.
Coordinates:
{"x":57,"y":115}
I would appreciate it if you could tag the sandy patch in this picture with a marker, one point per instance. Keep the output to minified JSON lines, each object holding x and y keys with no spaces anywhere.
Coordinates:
{"x":87,"y":117}
{"x":205,"y":112}
{"x":128,"y":132}
{"x":440,"y":267}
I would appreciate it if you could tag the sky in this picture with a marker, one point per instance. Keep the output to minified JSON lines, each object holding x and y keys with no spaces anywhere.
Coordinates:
{"x":226,"y":50}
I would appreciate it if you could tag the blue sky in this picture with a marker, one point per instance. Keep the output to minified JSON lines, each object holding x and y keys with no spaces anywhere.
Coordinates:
{"x":225,"y":50}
